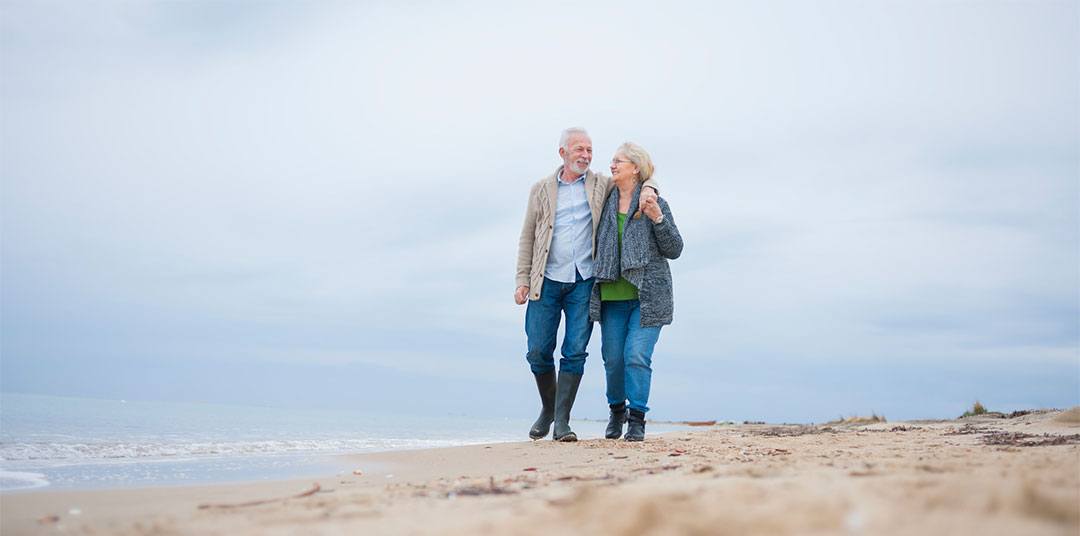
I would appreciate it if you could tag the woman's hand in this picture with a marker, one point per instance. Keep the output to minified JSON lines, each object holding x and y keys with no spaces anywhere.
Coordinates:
{"x":652,"y":210}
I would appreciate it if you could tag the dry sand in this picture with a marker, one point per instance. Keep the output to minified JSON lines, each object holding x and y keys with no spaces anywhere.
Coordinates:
{"x":981,"y":475}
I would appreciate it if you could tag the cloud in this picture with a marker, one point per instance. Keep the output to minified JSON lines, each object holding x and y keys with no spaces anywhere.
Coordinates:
{"x":340,"y":184}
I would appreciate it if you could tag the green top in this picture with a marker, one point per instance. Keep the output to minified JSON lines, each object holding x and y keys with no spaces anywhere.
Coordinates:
{"x":622,"y":289}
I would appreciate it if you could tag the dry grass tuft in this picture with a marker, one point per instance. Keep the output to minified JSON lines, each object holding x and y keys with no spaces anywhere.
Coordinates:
{"x":856,"y":419}
{"x":1069,"y":416}
{"x":976,"y":409}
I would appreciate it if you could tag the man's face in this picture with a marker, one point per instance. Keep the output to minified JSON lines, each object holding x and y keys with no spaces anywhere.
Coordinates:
{"x":579,"y":156}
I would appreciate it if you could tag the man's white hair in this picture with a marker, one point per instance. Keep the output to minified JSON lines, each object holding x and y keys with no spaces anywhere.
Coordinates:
{"x":564,"y":139}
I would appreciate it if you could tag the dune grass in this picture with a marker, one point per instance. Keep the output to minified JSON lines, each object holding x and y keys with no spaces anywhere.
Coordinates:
{"x":1070,"y":416}
{"x":976,"y":409}
{"x":857,"y":419}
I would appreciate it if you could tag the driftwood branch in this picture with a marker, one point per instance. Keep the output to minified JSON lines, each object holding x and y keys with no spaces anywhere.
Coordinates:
{"x":313,"y":490}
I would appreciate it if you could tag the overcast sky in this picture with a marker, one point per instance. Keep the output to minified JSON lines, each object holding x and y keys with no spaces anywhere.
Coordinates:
{"x":317,"y":203}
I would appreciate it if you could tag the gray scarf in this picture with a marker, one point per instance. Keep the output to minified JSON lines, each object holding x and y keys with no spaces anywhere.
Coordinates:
{"x":610,"y":265}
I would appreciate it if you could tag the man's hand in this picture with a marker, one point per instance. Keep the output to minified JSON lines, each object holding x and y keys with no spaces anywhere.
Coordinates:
{"x":521,"y":295}
{"x":647,"y":195}
{"x":652,"y":209}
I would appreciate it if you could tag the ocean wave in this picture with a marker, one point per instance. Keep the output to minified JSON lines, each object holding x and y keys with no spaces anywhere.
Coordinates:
{"x":117,"y":451}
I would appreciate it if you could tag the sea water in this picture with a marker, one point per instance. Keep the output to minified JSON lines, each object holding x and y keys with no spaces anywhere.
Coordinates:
{"x":73,"y":443}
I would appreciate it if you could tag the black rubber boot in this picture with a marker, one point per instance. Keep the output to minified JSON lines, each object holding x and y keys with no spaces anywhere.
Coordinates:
{"x":565,"y":393}
{"x":616,"y":420}
{"x":635,"y":431}
{"x":545,"y":383}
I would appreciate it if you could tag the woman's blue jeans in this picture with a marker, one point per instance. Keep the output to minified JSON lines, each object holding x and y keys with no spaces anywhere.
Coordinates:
{"x":542,"y":326}
{"x":627,"y":349}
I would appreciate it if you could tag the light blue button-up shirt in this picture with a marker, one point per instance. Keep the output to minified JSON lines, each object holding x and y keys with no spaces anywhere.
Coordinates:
{"x":572,"y":237}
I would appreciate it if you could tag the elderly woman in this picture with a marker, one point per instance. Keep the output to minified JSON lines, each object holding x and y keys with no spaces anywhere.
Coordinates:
{"x":632,"y":298}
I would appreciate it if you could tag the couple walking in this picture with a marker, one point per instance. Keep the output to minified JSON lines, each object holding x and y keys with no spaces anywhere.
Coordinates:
{"x":595,"y":248}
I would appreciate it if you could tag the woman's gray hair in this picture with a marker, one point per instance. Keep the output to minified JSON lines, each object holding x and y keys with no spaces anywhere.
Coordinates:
{"x":639,"y":157}
{"x":564,"y":139}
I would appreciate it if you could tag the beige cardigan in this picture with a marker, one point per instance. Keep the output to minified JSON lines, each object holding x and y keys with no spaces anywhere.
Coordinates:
{"x":540,"y":223}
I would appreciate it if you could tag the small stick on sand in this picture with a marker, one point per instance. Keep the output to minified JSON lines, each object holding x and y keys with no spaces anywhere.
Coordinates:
{"x":314,"y":489}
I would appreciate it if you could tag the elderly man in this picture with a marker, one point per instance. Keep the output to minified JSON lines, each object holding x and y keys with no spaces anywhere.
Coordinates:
{"x":555,"y":275}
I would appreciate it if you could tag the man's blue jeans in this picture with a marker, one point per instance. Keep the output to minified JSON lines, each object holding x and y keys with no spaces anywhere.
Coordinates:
{"x":627,"y":349}
{"x":542,"y":326}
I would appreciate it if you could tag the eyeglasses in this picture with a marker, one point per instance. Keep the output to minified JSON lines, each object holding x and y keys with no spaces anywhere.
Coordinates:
{"x":616,"y":161}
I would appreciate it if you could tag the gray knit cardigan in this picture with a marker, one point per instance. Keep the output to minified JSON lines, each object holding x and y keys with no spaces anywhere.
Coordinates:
{"x":646,"y":248}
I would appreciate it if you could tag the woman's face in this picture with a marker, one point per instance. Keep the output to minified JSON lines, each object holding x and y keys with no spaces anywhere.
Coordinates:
{"x":622,"y":169}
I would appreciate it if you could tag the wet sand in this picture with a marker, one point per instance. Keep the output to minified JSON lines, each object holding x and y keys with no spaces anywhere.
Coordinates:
{"x":979,"y":475}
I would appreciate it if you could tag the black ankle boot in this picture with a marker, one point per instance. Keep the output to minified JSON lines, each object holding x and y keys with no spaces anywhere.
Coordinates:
{"x":565,"y":393}
{"x":635,"y":431}
{"x":545,"y":383}
{"x":616,"y":420}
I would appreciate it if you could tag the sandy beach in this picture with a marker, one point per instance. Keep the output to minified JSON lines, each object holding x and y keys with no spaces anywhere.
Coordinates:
{"x":983,"y":475}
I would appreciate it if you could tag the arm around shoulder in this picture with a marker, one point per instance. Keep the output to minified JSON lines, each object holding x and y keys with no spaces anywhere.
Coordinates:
{"x":607,"y":184}
{"x":652,"y":183}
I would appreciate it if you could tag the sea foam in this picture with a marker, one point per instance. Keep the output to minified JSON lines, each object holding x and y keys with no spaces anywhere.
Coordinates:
{"x":61,"y":453}
{"x":15,"y":480}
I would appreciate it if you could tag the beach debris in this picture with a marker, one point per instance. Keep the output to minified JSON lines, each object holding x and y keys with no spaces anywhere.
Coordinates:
{"x":1014,"y":439}
{"x":654,"y":470}
{"x":358,"y":472}
{"x":308,"y":492}
{"x":475,"y":490}
{"x":576,"y":478}
{"x":702,"y":468}
{"x":1019,"y":413}
{"x":620,"y":457}
{"x":75,"y":512}
{"x":529,"y":469}
{"x":777,"y":452}
{"x":49,"y":519}
{"x":968,"y":429}
{"x":930,"y":468}
{"x":795,"y":430}
{"x":1020,"y":439}
{"x":903,"y":428}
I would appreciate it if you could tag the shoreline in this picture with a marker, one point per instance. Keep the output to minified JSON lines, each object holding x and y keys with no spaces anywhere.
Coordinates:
{"x":322,"y":460}
{"x":228,"y":466}
{"x":346,"y":461}
{"x":987,"y":475}
{"x":199,"y":470}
